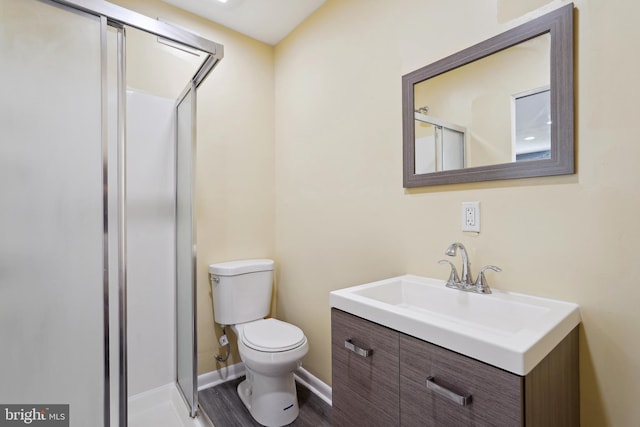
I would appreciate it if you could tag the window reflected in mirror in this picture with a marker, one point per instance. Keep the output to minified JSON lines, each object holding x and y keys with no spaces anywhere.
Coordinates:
{"x":531,"y":125}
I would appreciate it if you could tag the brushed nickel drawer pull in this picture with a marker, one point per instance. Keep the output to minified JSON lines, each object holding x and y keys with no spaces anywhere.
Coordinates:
{"x":364,"y":352}
{"x":462,"y":400}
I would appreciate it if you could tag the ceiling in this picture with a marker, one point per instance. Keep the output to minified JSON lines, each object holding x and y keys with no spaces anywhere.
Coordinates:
{"x":266,"y":20}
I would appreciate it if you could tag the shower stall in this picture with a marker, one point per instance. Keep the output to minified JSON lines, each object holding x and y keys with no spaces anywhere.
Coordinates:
{"x":439,"y":145}
{"x":64,"y":233}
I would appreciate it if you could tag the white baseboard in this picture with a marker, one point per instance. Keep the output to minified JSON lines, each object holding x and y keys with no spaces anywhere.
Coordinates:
{"x":231,"y":372}
{"x":314,"y":384}
{"x":222,"y":375}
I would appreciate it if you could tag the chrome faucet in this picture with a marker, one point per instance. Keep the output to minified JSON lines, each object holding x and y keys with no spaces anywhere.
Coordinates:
{"x":466,"y":279}
{"x":466,"y":283}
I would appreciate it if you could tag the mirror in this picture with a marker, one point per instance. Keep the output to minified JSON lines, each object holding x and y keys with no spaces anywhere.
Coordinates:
{"x":501,"y":109}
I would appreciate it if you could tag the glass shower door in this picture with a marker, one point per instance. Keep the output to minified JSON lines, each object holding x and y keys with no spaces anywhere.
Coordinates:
{"x":452,"y":143}
{"x":186,"y":249}
{"x":53,"y":251}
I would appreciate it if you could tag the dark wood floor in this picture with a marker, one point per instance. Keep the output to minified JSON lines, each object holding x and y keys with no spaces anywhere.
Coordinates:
{"x":224,"y":407}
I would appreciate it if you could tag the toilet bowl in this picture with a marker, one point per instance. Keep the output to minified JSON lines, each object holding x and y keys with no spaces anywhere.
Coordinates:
{"x":270,"y":349}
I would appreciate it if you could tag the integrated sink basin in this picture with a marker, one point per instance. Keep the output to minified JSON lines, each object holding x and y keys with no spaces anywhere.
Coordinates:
{"x":509,"y":330}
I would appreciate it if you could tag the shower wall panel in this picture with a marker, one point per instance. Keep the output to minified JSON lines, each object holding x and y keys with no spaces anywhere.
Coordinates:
{"x":150,"y":241}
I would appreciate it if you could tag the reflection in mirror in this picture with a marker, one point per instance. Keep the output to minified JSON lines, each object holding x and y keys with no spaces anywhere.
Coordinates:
{"x":500,"y":109}
{"x":479,"y":97}
{"x":439,"y":145}
{"x":531,"y":124}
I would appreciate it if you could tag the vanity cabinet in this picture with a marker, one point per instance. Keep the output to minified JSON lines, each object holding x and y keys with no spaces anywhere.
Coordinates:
{"x":494,"y":395}
{"x":409,"y":382}
{"x":365,"y":387}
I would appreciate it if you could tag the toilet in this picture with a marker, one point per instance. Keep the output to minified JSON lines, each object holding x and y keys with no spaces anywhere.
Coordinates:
{"x":270,"y":349}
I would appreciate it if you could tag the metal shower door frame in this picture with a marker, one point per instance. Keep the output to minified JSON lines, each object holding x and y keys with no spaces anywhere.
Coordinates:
{"x":192,"y":401}
{"x":115,"y":16}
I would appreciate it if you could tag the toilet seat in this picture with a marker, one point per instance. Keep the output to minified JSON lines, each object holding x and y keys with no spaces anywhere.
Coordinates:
{"x":272,"y":336}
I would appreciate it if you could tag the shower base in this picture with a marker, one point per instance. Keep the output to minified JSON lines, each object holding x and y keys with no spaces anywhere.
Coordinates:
{"x":161,"y":407}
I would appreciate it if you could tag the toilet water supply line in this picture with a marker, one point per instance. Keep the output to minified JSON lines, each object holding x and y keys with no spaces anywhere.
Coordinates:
{"x":224,"y":341}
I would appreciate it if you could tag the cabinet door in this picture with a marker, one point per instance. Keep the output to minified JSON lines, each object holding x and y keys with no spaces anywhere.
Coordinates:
{"x":365,"y":388}
{"x":495,"y":395}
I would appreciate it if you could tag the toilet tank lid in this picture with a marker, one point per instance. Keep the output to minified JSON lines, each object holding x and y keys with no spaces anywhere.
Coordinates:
{"x":232,"y":268}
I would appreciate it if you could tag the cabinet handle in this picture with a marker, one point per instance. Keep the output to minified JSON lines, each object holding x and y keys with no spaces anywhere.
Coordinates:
{"x":364,"y":352}
{"x":462,"y":400}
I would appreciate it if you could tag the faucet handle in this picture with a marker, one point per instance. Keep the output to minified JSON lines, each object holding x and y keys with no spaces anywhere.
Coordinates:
{"x":454,"y":279}
{"x":482,"y":286}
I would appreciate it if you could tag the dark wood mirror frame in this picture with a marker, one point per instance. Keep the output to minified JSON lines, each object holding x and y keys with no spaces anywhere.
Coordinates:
{"x":559,"y":24}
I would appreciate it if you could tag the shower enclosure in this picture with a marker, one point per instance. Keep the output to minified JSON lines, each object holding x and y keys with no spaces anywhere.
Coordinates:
{"x":440,"y":145}
{"x":63,"y":230}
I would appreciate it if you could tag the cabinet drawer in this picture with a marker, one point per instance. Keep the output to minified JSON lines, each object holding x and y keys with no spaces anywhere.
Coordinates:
{"x":496,"y":397}
{"x":365,"y":389}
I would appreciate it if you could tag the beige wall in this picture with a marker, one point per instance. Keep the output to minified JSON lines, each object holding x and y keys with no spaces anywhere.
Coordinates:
{"x":324,"y":196}
{"x":343,"y":218}
{"x":235,"y":177}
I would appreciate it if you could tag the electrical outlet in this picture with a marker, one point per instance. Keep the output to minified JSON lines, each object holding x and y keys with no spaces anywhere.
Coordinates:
{"x":471,"y":216}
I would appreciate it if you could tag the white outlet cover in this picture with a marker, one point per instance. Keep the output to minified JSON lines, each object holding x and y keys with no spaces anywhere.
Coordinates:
{"x":471,"y":216}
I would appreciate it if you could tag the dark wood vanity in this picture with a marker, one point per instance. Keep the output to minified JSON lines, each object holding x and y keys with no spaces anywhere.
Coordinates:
{"x":396,"y":379}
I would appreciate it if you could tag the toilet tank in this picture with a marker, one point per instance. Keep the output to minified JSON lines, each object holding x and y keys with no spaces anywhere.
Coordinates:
{"x":241,"y":290}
